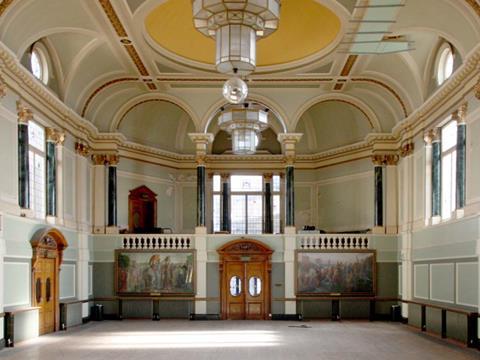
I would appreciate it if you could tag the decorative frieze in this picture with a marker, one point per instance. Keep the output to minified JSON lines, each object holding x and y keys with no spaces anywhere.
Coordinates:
{"x":477,"y":89}
{"x":3,"y":87}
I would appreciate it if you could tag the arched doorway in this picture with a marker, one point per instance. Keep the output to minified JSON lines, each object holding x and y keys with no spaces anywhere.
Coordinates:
{"x":142,"y":210}
{"x":245,"y":271}
{"x":48,"y":246}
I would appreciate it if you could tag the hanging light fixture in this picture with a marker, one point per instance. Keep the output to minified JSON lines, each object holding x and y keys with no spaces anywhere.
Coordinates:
{"x":244,"y":124}
{"x":235,"y":26}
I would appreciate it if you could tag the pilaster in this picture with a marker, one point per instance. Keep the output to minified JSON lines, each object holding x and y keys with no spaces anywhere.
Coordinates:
{"x":82,"y":195}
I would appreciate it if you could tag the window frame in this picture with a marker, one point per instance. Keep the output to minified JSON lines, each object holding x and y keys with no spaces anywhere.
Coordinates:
{"x":33,"y":152}
{"x":44,"y":60}
{"x":443,"y":55}
{"x":444,"y":153}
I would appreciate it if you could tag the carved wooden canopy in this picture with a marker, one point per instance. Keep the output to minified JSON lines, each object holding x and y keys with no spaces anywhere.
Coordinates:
{"x":48,"y":242}
{"x":245,"y":246}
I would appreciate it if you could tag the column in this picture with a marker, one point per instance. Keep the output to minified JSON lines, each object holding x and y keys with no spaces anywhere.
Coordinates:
{"x":391,"y":192}
{"x":378,"y":161}
{"x":201,"y":141}
{"x":24,"y":115}
{"x":59,"y":179}
{"x":288,"y":142}
{"x":112,"y":162}
{"x":461,"y":159}
{"x":436,"y":177}
{"x":98,"y":198}
{"x":428,"y":138}
{"x":225,"y":220}
{"x":82,"y":198}
{"x":54,"y":138}
{"x":268,"y":211}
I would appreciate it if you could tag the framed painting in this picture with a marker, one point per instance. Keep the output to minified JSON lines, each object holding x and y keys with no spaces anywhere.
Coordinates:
{"x":155,"y":272}
{"x":335,"y":272}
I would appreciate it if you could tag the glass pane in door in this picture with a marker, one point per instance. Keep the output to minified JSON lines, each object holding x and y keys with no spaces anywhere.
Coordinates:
{"x":255,"y":214}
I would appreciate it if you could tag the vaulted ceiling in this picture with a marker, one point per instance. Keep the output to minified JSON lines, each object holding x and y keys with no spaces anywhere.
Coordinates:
{"x":140,"y":68}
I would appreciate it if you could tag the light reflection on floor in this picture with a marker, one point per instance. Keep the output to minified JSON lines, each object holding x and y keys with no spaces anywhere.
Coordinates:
{"x":184,"y":339}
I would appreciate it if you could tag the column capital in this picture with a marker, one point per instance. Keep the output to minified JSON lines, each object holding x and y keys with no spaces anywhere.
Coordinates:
{"x":462,"y":113}
{"x":24,"y":112}
{"x":288,"y":141}
{"x":268,"y":176}
{"x":428,"y":137}
{"x":201,"y":141}
{"x":99,"y":159}
{"x":385,"y":159}
{"x":407,"y":149}
{"x":82,"y":148}
{"x":112,"y":159}
{"x":54,"y":135}
{"x":225,"y":176}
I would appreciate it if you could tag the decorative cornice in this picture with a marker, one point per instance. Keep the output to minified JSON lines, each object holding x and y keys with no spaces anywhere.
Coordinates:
{"x":3,"y":88}
{"x":102,"y":87}
{"x":24,"y":112}
{"x":477,"y":89}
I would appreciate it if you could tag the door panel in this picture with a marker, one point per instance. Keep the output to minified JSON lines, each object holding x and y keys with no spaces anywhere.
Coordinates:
{"x":235,"y":294}
{"x":254,"y":304}
{"x":45,"y":294}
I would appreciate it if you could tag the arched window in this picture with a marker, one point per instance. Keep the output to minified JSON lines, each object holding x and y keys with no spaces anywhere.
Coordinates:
{"x":38,"y":63}
{"x":445,"y":62}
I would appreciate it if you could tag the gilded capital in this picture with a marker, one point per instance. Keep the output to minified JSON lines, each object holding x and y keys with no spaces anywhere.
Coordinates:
{"x":113,"y":159}
{"x":392,"y":159}
{"x":24,"y":112}
{"x":462,"y":113}
{"x":385,"y":159}
{"x":407,"y":149}
{"x":225,"y":176}
{"x":201,"y":141}
{"x":82,"y":148}
{"x":288,"y":141}
{"x":268,"y":176}
{"x":56,"y":136}
{"x":99,"y":159}
{"x":377,"y":160}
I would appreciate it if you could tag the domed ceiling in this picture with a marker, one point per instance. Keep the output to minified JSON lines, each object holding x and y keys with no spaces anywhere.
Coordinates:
{"x":301,"y":34}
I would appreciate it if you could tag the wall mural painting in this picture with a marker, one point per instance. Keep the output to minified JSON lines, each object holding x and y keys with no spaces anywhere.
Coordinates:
{"x":148,"y":272}
{"x":336,"y":272}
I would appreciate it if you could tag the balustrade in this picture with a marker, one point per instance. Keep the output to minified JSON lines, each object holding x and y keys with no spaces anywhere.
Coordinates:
{"x":332,"y":241}
{"x":153,"y":241}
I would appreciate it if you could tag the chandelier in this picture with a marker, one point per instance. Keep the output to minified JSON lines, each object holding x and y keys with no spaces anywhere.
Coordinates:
{"x":244,"y":124}
{"x":235,"y":26}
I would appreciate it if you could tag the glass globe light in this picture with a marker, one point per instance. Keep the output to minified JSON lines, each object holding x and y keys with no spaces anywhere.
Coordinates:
{"x":235,"y":90}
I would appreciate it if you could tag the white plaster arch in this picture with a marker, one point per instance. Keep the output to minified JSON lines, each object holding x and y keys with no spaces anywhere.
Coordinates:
{"x":353,"y":101}
{"x":120,"y":114}
{"x":273,"y":106}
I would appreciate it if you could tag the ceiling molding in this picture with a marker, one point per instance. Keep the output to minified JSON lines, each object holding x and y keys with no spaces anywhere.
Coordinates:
{"x":474,"y":5}
{"x":104,"y":86}
{"x":386,"y":87}
{"x":4,"y":6}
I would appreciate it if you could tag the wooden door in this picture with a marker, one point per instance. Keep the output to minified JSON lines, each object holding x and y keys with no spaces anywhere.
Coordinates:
{"x":254,"y":290}
{"x":45,"y":290}
{"x":235,"y":289}
{"x":245,"y":280}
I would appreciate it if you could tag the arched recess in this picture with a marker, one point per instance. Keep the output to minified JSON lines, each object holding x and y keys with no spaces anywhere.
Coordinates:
{"x":128,"y":106}
{"x":331,"y":124}
{"x":245,"y":276}
{"x":158,"y":123}
{"x":342,"y":98}
{"x":48,"y":245}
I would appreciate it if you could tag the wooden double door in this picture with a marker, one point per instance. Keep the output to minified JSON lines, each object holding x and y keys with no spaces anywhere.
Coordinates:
{"x":45,"y":293}
{"x":245,"y":282}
